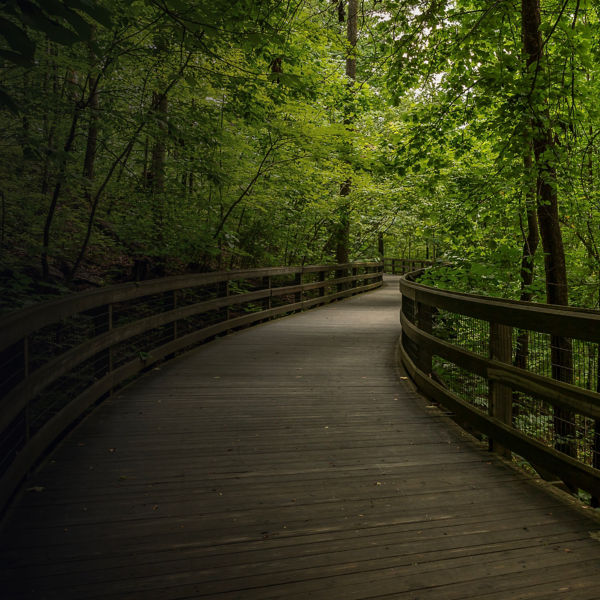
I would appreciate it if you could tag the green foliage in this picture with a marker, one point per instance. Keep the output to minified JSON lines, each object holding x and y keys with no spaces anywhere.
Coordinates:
{"x":63,"y":22}
{"x":203,"y":155}
{"x":218,"y":139}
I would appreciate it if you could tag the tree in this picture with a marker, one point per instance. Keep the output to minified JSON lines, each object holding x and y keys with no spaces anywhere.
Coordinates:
{"x":342,"y":227}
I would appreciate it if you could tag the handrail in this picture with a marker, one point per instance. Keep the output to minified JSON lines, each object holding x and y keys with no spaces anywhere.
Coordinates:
{"x":525,"y":375}
{"x":401,"y":266}
{"x":58,"y":358}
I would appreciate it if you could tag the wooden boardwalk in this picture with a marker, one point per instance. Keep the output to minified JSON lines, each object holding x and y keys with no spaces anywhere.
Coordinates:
{"x":289,"y":461}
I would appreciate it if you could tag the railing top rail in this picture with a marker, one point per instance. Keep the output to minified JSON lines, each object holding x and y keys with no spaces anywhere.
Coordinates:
{"x":533,"y":395}
{"x":18,"y":324}
{"x":51,"y":375}
{"x":568,"y":321}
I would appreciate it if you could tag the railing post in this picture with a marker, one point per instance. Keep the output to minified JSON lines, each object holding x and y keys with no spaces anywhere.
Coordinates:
{"x":110,"y":348}
{"x":394,"y":266}
{"x":322,"y":279}
{"x":223,"y":292}
{"x":267,"y":284}
{"x":424,"y":323}
{"x":228,"y":293}
{"x":595,"y":501}
{"x":340,"y":287}
{"x":25,"y":375}
{"x":174,"y":307}
{"x":355,"y":273}
{"x":298,"y":281}
{"x":500,"y":395}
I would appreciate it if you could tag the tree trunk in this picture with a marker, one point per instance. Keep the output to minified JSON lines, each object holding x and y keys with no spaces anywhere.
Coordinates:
{"x":157,"y":175}
{"x":547,"y":214}
{"x":159,"y":150}
{"x":342,"y":228}
{"x":530,"y":244}
{"x":92,"y":139}
{"x":89,"y":162}
{"x":596,"y":448}
{"x":57,"y":190}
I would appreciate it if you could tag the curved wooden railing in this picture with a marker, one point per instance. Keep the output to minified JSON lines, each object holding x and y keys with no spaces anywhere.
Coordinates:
{"x":525,"y":375}
{"x":59,"y":358}
{"x":401,"y":266}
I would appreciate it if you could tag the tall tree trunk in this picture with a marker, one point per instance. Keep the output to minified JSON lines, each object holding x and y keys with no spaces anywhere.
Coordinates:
{"x":547,"y":213}
{"x":60,"y":178}
{"x":157,"y":175}
{"x":89,"y":163}
{"x":596,"y":449}
{"x":92,"y":139}
{"x":145,"y":172}
{"x":530,"y":244}
{"x":49,"y":89}
{"x":342,"y":229}
{"x":158,"y":159}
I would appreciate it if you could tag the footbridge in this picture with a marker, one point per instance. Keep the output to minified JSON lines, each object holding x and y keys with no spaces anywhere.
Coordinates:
{"x":295,"y":457}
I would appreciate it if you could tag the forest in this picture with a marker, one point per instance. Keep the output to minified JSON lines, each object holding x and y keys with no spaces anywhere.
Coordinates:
{"x":158,"y":137}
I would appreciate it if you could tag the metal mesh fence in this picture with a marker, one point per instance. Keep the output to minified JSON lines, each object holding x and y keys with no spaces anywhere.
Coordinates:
{"x":466,"y":332}
{"x":25,"y":357}
{"x":568,"y":360}
{"x":468,"y":386}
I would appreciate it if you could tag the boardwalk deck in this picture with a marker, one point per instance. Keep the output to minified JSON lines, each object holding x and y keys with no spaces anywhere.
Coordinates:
{"x":288,"y":461}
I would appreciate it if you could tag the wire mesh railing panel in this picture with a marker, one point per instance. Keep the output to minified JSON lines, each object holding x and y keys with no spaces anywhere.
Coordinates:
{"x":535,"y":387}
{"x":123,"y":330}
{"x":141,"y":345}
{"x":130,"y":311}
{"x":586,"y":364}
{"x":56,"y":339}
{"x":465,"y":332}
{"x":466,"y":385}
{"x":564,"y":359}
{"x":12,"y":367}
{"x":409,"y":309}
{"x":13,"y":440}
{"x":573,"y":434}
{"x":195,"y":295}
{"x":533,"y":417}
{"x":65,"y":389}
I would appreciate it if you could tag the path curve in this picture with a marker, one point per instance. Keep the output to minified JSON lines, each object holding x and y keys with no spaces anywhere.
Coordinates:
{"x":288,"y":461}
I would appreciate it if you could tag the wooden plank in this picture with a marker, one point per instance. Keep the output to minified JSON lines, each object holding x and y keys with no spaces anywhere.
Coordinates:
{"x":299,"y":541}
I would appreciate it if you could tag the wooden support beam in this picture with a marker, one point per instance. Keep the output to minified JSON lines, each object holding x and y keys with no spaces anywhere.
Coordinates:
{"x":500,"y":394}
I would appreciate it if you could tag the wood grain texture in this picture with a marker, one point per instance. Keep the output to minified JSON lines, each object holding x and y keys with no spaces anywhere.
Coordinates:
{"x":288,"y":461}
